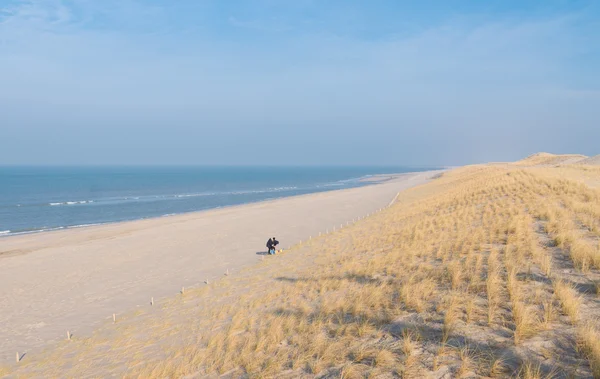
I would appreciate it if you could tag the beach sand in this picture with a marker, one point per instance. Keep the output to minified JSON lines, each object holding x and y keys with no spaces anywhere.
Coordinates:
{"x":74,"y":280}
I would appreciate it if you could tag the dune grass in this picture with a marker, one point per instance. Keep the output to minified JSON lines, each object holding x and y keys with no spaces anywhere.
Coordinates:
{"x":588,"y":337}
{"x":569,"y":300}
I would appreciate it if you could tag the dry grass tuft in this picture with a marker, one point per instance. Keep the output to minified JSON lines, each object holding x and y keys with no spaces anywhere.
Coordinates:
{"x":385,"y":359}
{"x":588,"y":338}
{"x":470,"y":310}
{"x":467,"y":356}
{"x":526,"y":322}
{"x":408,"y":343}
{"x":450,"y":319}
{"x":533,"y":370}
{"x":494,"y":294}
{"x":353,"y":371}
{"x":497,"y":366}
{"x":549,"y":313}
{"x":569,"y":300}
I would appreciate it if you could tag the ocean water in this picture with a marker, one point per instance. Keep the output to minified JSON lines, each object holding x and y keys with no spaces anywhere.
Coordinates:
{"x":34,"y":199}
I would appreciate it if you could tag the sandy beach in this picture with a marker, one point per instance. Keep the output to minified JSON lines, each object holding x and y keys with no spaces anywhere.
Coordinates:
{"x":74,"y":280}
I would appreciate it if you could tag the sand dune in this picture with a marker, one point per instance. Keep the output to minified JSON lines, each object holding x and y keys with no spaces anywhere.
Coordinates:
{"x":593,"y":161}
{"x":547,"y":159}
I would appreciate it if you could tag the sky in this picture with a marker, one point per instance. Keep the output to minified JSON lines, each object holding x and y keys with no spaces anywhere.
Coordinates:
{"x":304,"y":82}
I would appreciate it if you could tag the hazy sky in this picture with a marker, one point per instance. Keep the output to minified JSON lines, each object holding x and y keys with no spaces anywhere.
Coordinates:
{"x":321,"y":82}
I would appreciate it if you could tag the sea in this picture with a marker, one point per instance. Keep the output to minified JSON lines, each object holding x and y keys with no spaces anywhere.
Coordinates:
{"x":37,"y":199}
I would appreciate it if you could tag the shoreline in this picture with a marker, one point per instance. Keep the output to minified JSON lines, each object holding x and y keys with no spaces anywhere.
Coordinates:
{"x":74,"y":279}
{"x":369,"y":180}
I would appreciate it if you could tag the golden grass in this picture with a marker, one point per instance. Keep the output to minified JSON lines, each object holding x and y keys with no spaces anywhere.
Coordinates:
{"x":497,"y":367}
{"x":533,"y":370}
{"x":468,"y":357}
{"x":526,"y":322}
{"x":465,"y":247}
{"x":588,"y":338}
{"x":549,"y":313}
{"x":470,"y":310}
{"x":569,"y":300}
{"x":450,"y":319}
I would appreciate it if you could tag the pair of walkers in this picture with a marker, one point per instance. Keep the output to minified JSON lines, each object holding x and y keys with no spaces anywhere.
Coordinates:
{"x":272,"y":245}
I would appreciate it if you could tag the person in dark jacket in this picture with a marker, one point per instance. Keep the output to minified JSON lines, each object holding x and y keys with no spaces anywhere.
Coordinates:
{"x":272,"y":245}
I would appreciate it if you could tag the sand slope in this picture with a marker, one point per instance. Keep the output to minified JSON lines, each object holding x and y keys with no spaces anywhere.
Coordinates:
{"x":594,"y":161}
{"x":76,"y":279}
{"x":547,"y":159}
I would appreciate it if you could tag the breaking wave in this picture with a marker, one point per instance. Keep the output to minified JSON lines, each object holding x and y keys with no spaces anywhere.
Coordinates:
{"x":72,"y":202}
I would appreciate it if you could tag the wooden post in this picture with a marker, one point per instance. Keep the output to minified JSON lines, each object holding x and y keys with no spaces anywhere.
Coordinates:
{"x":68,"y":335}
{"x":152,"y":301}
{"x":227,"y":272}
{"x":114,"y":318}
{"x":182,"y":290}
{"x":18,"y":357}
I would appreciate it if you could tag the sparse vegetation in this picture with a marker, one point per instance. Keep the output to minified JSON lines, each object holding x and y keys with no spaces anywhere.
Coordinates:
{"x":589,"y":343}
{"x":569,"y":300}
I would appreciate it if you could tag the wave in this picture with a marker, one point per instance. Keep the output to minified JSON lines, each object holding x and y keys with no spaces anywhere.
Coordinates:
{"x":46,"y":229}
{"x":344,"y":182}
{"x":30,"y":231}
{"x":85,"y":225}
{"x":71,"y":202}
{"x":129,"y":199}
{"x":182,"y":196}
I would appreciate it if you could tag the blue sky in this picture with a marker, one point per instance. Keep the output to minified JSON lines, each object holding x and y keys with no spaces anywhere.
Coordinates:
{"x":321,"y":82}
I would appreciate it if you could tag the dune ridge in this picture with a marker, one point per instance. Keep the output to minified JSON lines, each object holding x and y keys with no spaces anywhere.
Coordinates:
{"x":594,"y":161}
{"x":548,"y":159}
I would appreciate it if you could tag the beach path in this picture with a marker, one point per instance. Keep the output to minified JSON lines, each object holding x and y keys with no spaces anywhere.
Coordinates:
{"x":74,"y":280}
